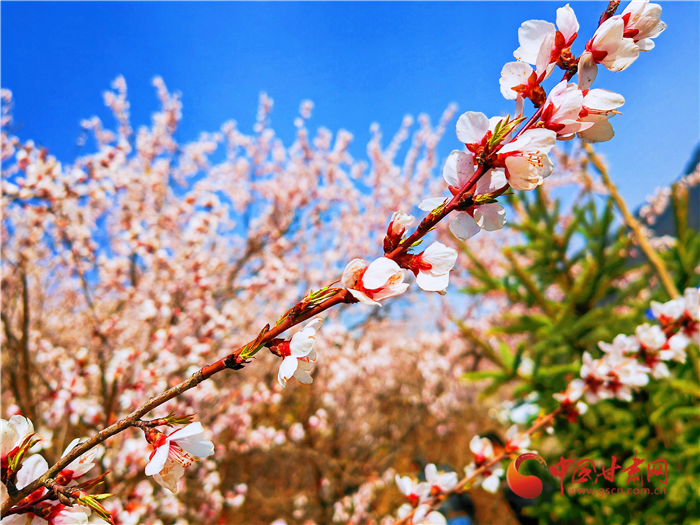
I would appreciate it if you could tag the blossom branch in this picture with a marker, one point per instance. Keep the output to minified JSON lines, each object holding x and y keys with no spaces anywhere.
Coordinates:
{"x":233,"y":361}
{"x":435,"y":502}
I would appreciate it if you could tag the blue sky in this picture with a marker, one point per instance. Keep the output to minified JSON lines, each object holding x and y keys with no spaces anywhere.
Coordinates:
{"x":359,"y":62}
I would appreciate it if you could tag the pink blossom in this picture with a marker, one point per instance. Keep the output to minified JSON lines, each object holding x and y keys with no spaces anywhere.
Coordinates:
{"x":472,"y":127}
{"x":642,"y":23}
{"x":425,"y":516}
{"x":526,"y":160}
{"x":173,"y":453}
{"x":299,"y":355}
{"x":561,"y":110}
{"x":489,"y":216}
{"x":599,"y":105}
{"x":573,"y":392}
{"x":676,"y":349}
{"x":607,"y":47}
{"x":481,"y":448}
{"x":541,"y":44}
{"x":370,"y":284}
{"x":14,"y":433}
{"x":81,"y":465}
{"x":439,"y":481}
{"x":434,"y":266}
{"x":669,"y":311}
{"x":489,"y":479}
{"x":651,"y":337}
{"x":399,"y":222}
{"x":622,"y":345}
{"x":415,"y":492}
{"x":516,"y":441}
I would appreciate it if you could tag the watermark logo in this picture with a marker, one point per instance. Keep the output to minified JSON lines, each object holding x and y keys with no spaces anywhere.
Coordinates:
{"x":524,"y":486}
{"x":585,"y":471}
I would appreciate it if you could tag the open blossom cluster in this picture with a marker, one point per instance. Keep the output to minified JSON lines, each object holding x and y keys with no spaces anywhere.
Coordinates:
{"x":630,"y":360}
{"x":625,"y":367}
{"x":516,"y":160}
{"x":421,"y":494}
{"x":17,"y":434}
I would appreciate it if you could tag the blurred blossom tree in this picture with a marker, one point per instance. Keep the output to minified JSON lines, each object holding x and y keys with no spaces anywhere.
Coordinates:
{"x":128,"y":270}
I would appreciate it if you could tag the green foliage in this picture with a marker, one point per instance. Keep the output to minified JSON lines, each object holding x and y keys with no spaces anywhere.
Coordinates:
{"x":604,"y":291}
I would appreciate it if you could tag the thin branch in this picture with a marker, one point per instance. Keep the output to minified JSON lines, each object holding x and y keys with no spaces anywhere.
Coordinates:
{"x":25,"y":369}
{"x":634,"y":225}
{"x":436,"y":501}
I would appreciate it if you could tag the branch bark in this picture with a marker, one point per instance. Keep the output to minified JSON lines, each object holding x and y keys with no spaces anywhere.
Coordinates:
{"x":654,"y":259}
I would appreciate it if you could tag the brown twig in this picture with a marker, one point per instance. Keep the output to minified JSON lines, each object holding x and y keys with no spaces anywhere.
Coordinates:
{"x":25,"y":370}
{"x":634,"y":225}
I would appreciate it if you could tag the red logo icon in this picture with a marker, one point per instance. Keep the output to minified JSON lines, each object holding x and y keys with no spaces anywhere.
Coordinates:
{"x":524,"y":486}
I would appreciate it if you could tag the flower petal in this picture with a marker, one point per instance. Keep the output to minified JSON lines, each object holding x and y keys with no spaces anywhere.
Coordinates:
{"x":158,"y":460}
{"x":531,"y":35}
{"x":543,"y":66}
{"x":301,"y":344}
{"x":514,"y":74}
{"x":430,"y":473}
{"x":491,"y":484}
{"x":567,"y":22}
{"x":9,"y":437}
{"x":609,"y":35}
{"x":351,"y":272}
{"x":602,"y":131}
{"x":587,"y":71}
{"x":433,"y":283}
{"x":471,"y":127}
{"x":440,"y":257}
{"x":540,"y":140}
{"x":432,"y":203}
{"x":23,"y":425}
{"x":603,"y":100}
{"x":70,"y":516}
{"x":463,"y":226}
{"x":492,"y":181}
{"x":303,"y":377}
{"x":170,"y":475}
{"x":627,"y":53}
{"x":313,"y":326}
{"x":287,"y":369}
{"x":363,"y":298}
{"x":490,"y":217}
{"x":193,"y":429}
{"x":70,"y":446}
{"x":459,"y":167}
{"x":391,"y":291}
{"x":197,"y":446}
{"x":522,"y":175}
{"x":435,"y":518}
{"x":33,"y":467}
{"x":379,"y":273}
